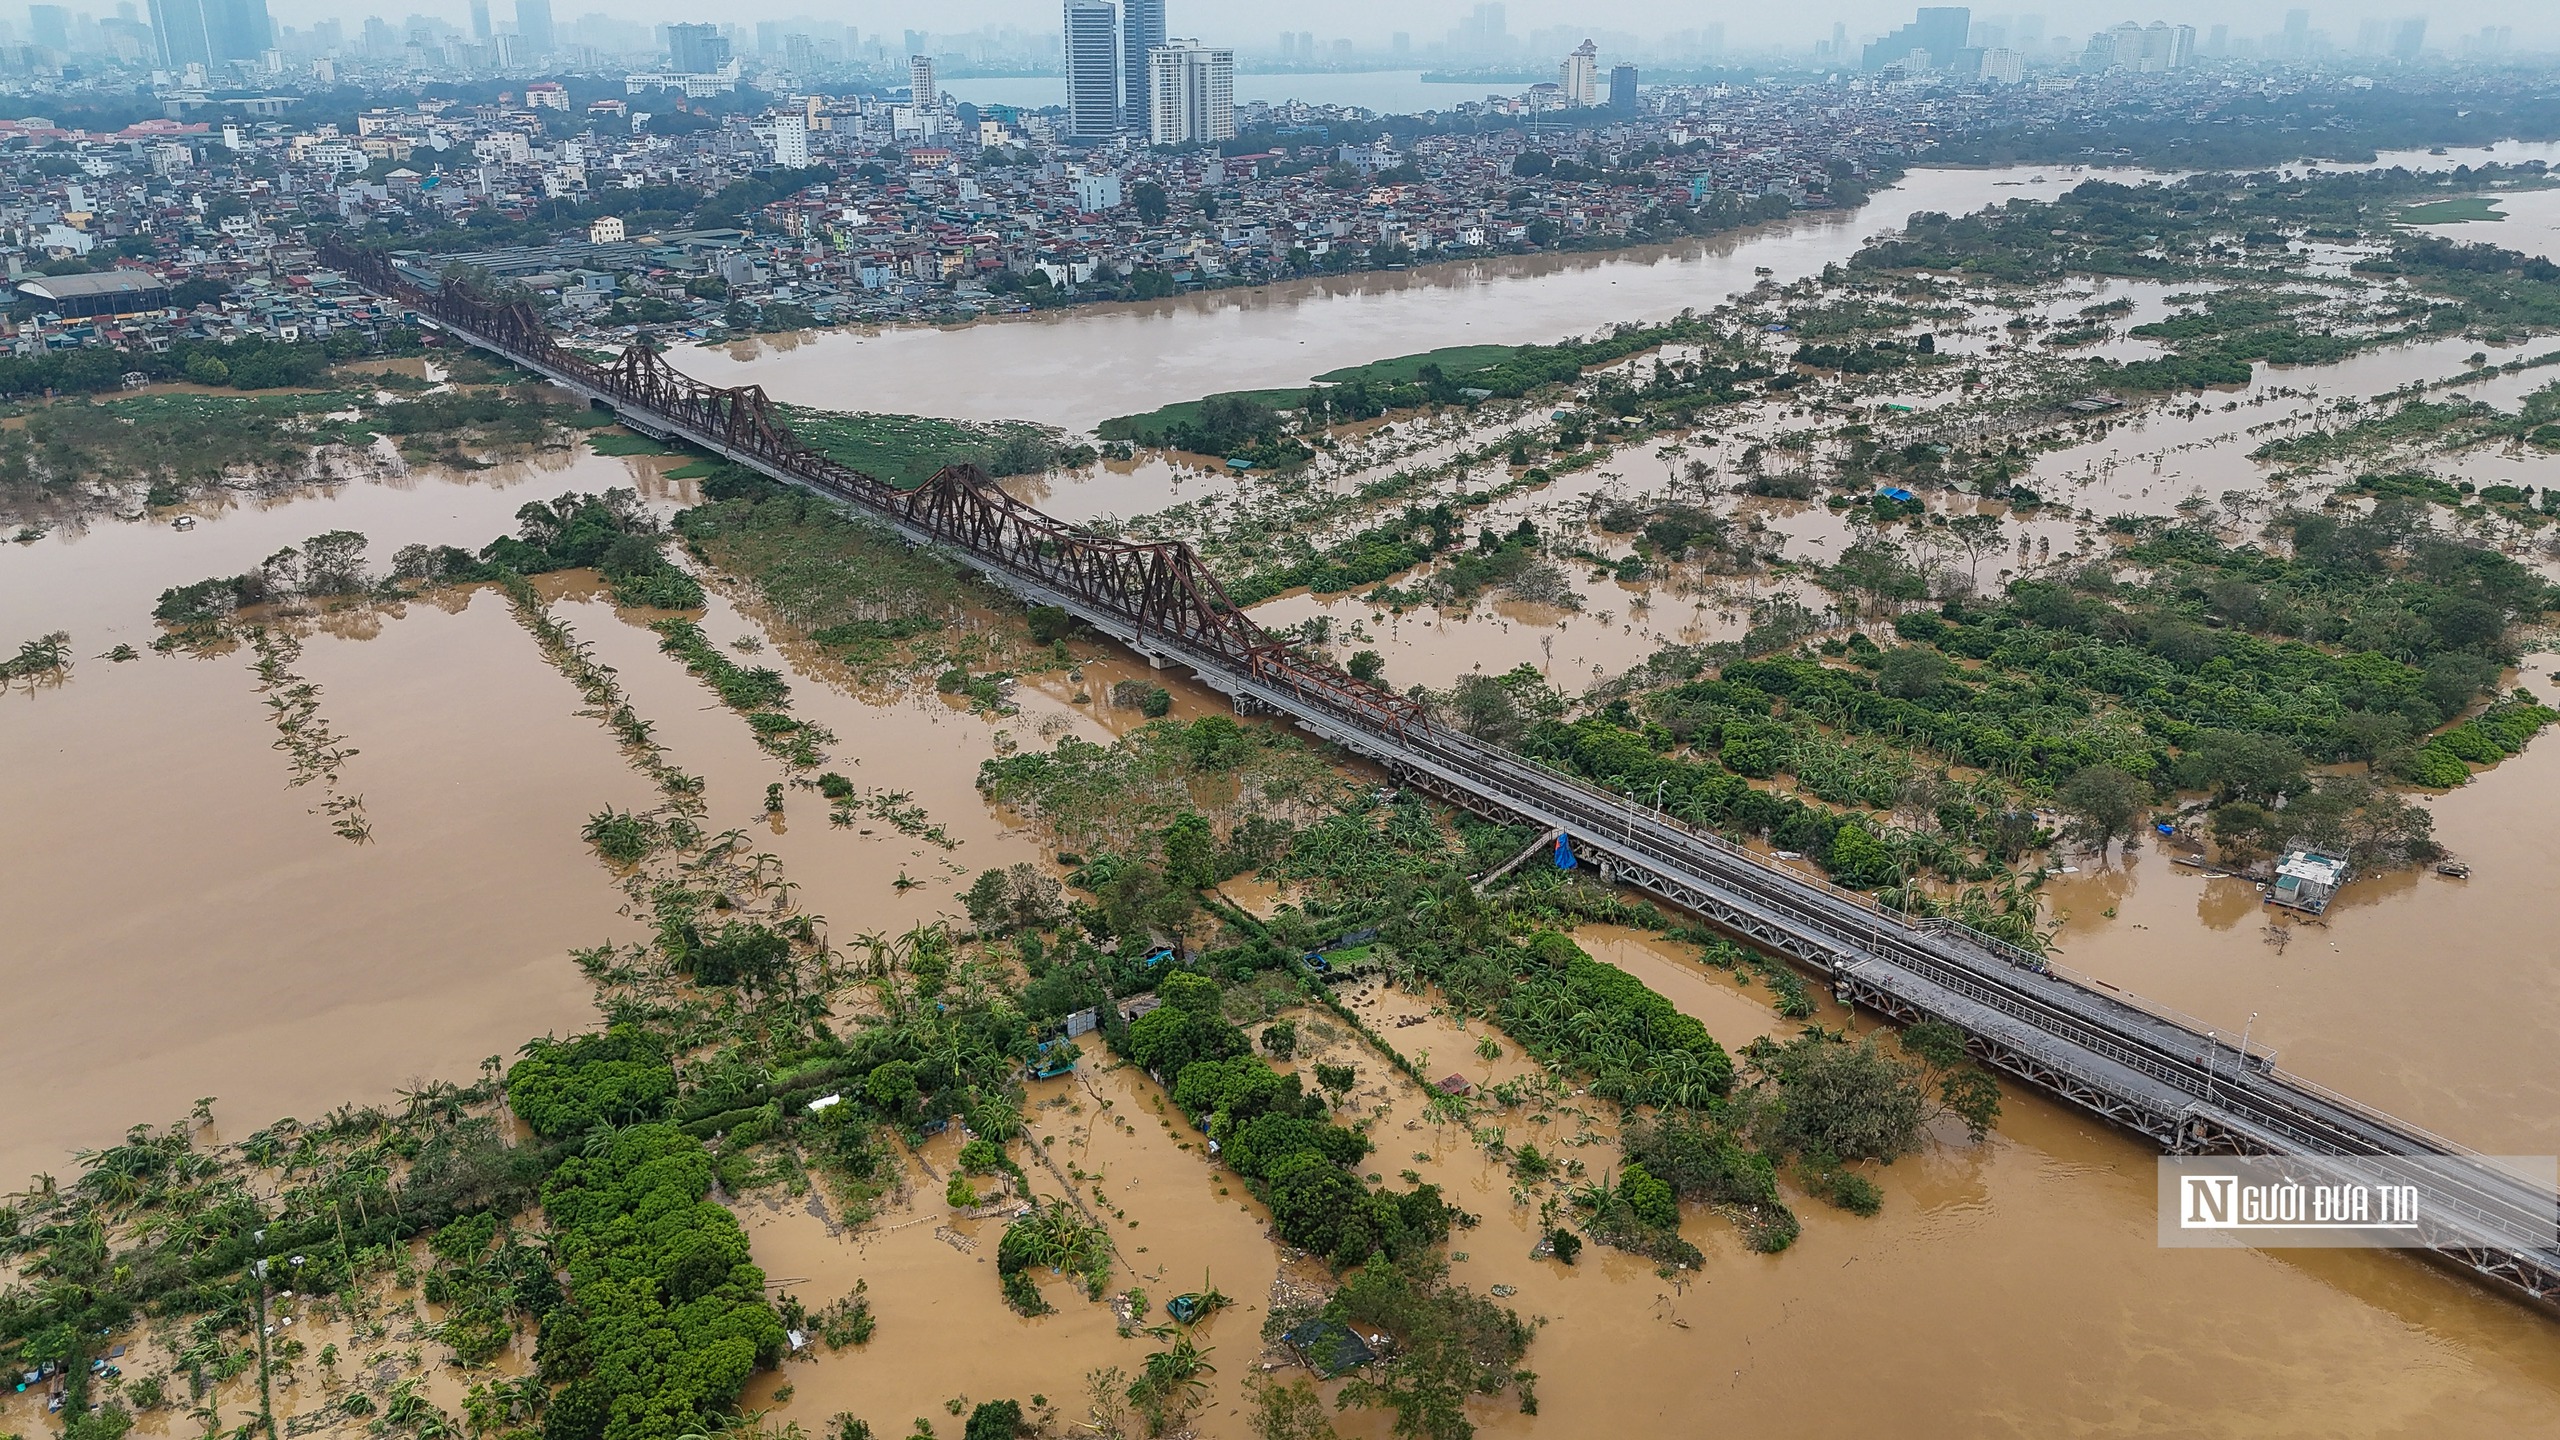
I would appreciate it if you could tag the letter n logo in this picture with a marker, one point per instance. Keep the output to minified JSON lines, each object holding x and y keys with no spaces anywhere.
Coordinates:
{"x":2208,"y":1201}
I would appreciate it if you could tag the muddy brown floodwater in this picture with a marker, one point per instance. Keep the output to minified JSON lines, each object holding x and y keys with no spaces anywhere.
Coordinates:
{"x":180,"y":924}
{"x":2433,"y":998}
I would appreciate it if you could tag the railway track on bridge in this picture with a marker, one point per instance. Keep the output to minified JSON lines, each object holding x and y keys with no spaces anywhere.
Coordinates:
{"x":2165,"y":1076}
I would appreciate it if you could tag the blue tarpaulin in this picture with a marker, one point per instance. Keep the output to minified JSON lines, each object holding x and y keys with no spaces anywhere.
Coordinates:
{"x":1564,"y":852}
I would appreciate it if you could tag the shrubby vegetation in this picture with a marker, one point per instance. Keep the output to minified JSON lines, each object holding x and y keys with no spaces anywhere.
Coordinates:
{"x":47,"y":654}
{"x":668,"y":1316}
{"x":2324,"y":120}
{"x":908,"y":450}
{"x":1391,"y":547}
{"x":1219,"y":424}
{"x":1395,"y":868}
{"x":1099,"y":799}
{"x":325,"y":567}
{"x":1452,"y":1344}
{"x":619,"y":1077}
{"x":894,"y":614}
{"x":1273,"y":1135}
{"x":1051,"y":1236}
{"x":167,"y":447}
{"x":252,"y":362}
{"x":610,"y":532}
{"x":2224,"y":668}
{"x":2438,"y":428}
{"x":756,"y":691}
{"x":1599,"y":1022}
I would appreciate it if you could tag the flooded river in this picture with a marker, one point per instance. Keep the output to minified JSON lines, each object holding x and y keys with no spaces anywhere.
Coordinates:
{"x":180,"y":922}
{"x":1075,"y":368}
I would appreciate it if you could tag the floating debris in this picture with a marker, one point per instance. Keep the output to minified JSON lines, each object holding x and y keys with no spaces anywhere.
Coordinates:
{"x":1329,"y":1347}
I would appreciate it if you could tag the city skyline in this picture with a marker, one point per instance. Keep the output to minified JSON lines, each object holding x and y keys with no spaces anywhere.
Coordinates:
{"x":1489,"y":35}
{"x":1429,"y":25}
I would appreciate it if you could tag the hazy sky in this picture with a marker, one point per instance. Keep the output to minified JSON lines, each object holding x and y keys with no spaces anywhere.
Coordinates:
{"x":1255,"y":25}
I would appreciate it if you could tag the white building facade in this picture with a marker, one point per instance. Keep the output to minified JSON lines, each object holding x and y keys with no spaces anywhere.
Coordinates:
{"x":1191,"y":94}
{"x":1579,"y":76}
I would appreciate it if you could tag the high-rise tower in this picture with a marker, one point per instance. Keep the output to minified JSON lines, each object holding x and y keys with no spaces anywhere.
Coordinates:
{"x":1093,"y":69}
{"x":1141,"y":34}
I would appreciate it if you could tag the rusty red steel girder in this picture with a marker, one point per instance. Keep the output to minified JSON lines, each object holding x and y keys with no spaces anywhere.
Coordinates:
{"x":1158,"y":588}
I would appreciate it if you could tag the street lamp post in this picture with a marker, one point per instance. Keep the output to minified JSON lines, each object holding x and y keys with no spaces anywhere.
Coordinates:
{"x":2211,"y":1039}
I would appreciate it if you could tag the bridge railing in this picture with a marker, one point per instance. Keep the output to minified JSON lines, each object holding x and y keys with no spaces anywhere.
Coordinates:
{"x":2371,"y":1115}
{"x":1621,"y":804}
{"x":1160,"y":589}
{"x":2166,"y":1013}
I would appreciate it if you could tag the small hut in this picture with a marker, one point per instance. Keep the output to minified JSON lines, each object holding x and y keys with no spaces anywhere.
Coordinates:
{"x":2306,"y":879}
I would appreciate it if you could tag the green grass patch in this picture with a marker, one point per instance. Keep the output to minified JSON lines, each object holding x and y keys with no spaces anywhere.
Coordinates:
{"x":1187,"y":412}
{"x":907,"y":450}
{"x":2451,"y":212}
{"x":625,"y":442}
{"x":698,"y":470}
{"x":1455,"y":361}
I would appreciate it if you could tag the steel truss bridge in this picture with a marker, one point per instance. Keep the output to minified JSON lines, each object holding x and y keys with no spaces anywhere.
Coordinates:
{"x":2190,"y":1090}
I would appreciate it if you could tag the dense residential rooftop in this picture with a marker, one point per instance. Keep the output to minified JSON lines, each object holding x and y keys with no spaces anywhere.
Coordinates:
{"x":769,"y":211}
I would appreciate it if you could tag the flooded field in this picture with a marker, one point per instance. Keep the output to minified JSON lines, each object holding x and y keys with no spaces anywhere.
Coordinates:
{"x":2035,"y":1247}
{"x":180,"y":912}
{"x":182,"y":923}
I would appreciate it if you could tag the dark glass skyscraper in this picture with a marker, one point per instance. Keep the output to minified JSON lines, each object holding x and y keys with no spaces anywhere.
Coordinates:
{"x":696,"y":49}
{"x":1940,"y":30}
{"x":239,"y":29}
{"x":209,"y":32}
{"x":1141,"y":32}
{"x":179,"y":27}
{"x":533,"y":26}
{"x":1093,"y":69}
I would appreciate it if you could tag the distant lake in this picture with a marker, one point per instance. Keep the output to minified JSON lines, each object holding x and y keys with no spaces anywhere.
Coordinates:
{"x":1389,"y":92}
